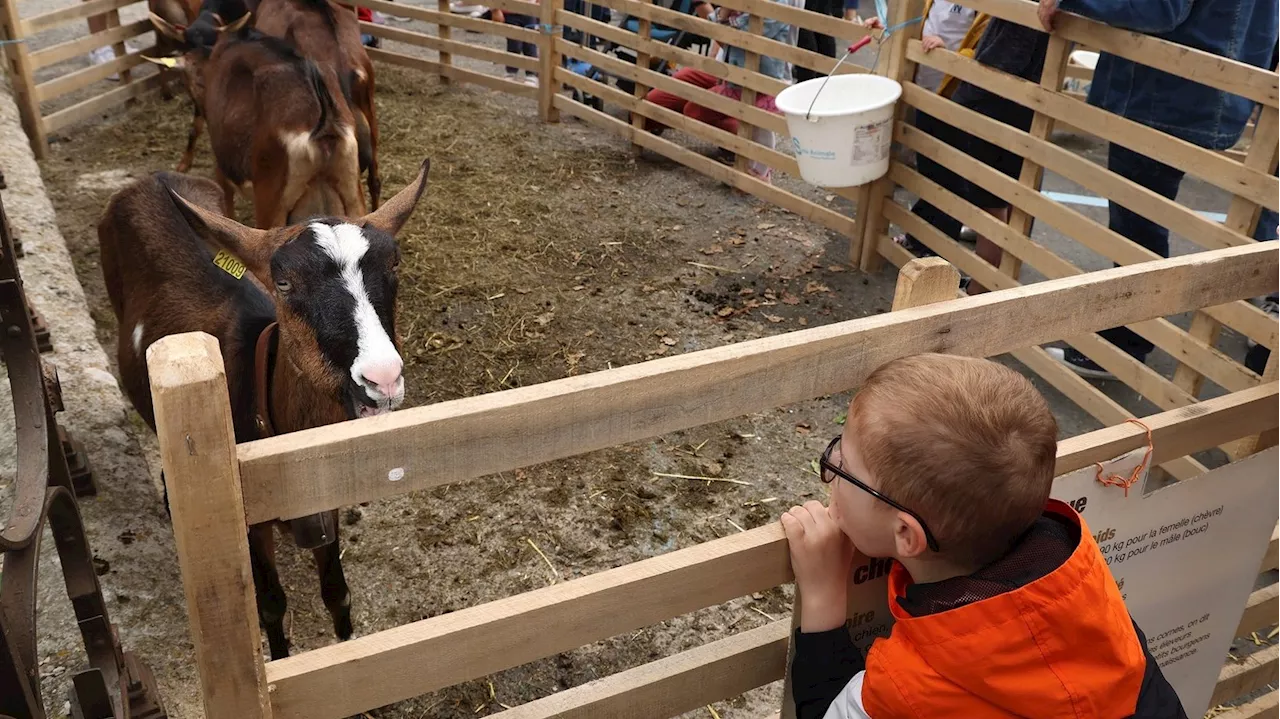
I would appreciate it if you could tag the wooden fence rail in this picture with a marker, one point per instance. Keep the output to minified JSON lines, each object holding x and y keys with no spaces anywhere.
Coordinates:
{"x":258,"y":481}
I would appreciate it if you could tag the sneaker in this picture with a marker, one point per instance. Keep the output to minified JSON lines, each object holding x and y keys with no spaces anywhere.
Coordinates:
{"x":1078,"y":363}
{"x":1269,"y":304}
{"x":967,"y":234}
{"x":102,"y":56}
{"x":531,"y":80}
{"x":912,"y":246}
{"x":513,"y":75}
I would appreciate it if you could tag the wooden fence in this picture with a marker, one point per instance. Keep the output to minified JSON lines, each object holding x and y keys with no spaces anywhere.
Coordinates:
{"x":215,"y":487}
{"x":23,"y":63}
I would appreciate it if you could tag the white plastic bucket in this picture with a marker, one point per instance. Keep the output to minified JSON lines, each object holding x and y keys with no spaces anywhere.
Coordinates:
{"x":846,"y":137}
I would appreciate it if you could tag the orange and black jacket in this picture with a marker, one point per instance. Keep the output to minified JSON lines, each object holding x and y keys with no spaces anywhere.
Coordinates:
{"x":1041,"y":632}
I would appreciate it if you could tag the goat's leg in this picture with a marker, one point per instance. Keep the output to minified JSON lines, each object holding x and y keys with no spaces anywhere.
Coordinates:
{"x":272,"y":602}
{"x":375,"y":179}
{"x":333,"y":586}
{"x":228,"y":192}
{"x":193,"y":135}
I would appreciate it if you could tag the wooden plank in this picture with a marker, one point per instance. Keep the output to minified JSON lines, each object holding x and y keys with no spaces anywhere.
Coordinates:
{"x":446,"y":19}
{"x":1269,"y":559}
{"x":1228,"y":373}
{"x":448,"y":48}
{"x":644,"y":28}
{"x":1249,"y":182}
{"x":74,"y":48}
{"x":1055,"y":65}
{"x":896,"y":65}
{"x":1204,"y":424}
{"x":370,"y":671}
{"x":314,"y":470}
{"x":444,"y":31}
{"x":1266,"y":706}
{"x":1206,"y":68}
{"x":1267,"y":439}
{"x":750,"y":63}
{"x":700,"y":130}
{"x":198,"y":451}
{"x":1260,"y":611}
{"x":672,"y":54}
{"x":520,"y":7}
{"x":1248,"y":675}
{"x":54,"y":18}
{"x":1242,"y":316}
{"x":836,"y":27}
{"x":85,"y":77}
{"x":97,"y":105}
{"x":549,"y":60}
{"x":709,"y":167}
{"x":1096,"y":403}
{"x":453,"y":72}
{"x":729,"y":36}
{"x":1242,"y":216}
{"x":668,"y":687}
{"x":395,"y":664}
{"x":692,"y":93}
{"x":22,"y":75}
{"x":1078,"y":169}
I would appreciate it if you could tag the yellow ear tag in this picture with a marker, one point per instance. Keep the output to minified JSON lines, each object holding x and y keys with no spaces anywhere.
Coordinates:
{"x":228,"y":263}
{"x":169,"y":62}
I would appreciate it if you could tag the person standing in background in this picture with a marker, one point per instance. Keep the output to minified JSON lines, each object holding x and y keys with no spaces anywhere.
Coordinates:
{"x":1242,"y":30}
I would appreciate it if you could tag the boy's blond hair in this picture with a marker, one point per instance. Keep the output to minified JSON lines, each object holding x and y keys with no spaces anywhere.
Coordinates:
{"x":966,"y":443}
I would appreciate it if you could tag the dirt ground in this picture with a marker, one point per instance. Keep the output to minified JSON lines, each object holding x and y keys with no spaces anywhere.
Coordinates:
{"x":540,"y":252}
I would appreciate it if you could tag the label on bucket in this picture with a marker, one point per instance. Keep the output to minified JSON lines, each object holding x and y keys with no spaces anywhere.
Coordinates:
{"x":871,"y":142}
{"x":815,"y":154}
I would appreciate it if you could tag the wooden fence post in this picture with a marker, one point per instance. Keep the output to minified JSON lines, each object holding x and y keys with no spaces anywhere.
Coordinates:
{"x":870,"y":222}
{"x":22,"y":76}
{"x":202,"y":477}
{"x":755,"y":26}
{"x":644,"y":33}
{"x":1242,"y":216}
{"x":922,"y":281}
{"x":548,"y":60}
{"x":443,"y":31}
{"x":1055,"y":69}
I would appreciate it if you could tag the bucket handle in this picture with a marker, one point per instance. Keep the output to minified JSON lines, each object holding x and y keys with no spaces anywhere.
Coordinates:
{"x":856,"y":47}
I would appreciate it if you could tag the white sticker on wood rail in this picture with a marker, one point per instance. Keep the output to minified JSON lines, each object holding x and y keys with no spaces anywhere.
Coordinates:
{"x":1185,"y":558}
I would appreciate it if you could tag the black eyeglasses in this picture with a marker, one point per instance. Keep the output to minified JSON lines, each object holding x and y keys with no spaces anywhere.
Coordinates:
{"x":830,"y":471}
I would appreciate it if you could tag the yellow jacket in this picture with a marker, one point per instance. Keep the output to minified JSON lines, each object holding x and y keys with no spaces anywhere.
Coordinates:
{"x":967,"y":46}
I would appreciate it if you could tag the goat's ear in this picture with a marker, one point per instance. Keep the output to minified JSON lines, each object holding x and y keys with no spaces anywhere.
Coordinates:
{"x":251,"y":246}
{"x":393,"y":213}
{"x":164,"y":27}
{"x":237,"y":25}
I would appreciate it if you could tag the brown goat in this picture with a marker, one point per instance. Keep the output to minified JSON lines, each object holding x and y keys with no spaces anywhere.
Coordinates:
{"x":277,"y":131}
{"x":172,"y":264}
{"x":320,"y":31}
{"x":179,"y":13}
{"x":329,"y":35}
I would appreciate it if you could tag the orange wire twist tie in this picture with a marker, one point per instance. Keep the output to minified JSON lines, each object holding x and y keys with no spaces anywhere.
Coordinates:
{"x":1116,"y":480}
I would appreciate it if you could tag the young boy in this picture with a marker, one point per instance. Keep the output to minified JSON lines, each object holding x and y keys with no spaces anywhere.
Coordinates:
{"x":1004,"y":606}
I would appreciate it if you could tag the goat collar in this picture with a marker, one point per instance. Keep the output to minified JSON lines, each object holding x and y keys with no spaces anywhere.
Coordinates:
{"x":262,"y":356}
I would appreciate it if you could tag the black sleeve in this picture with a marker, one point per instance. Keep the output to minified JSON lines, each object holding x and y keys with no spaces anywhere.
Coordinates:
{"x":1156,"y":697}
{"x":823,"y":665}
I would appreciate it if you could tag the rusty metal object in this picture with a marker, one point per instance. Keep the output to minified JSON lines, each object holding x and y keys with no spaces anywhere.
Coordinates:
{"x":77,"y":464}
{"x":116,"y":685}
{"x":44,"y":341}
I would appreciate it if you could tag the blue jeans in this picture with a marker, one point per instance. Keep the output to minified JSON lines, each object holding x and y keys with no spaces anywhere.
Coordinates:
{"x":520,"y":47}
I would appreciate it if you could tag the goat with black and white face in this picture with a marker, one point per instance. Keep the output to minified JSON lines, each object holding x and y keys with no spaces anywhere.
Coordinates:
{"x":305,"y":318}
